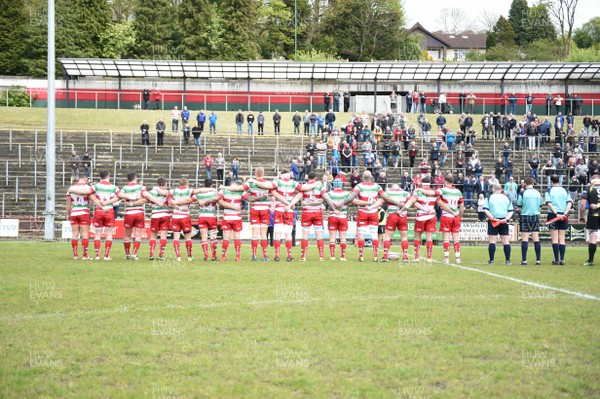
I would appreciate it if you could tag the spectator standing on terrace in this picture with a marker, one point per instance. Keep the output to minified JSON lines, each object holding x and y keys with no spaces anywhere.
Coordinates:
{"x":470,"y":183}
{"x":394,"y":102}
{"x":277,"y":122}
{"x":185,"y":115}
{"x":196,"y":132}
{"x":423,"y":102}
{"x":529,"y":103}
{"x":86,"y":162}
{"x":336,"y":101}
{"x":440,"y":121}
{"x":355,"y":178}
{"x":239,"y":121}
{"x":409,"y":102}
{"x":235,"y":167}
{"x":250,"y":120}
{"x":313,"y":124}
{"x":212,"y":120}
{"x":201,"y":119}
{"x":557,"y":103}
{"x":175,"y":114}
{"x":326,"y":100}
{"x":321,"y":126}
{"x":311,"y":147}
{"x":512,"y":104}
{"x":220,"y":166}
{"x":346,"y":101}
{"x":160,"y":132}
{"x":330,"y":120}
{"x":461,"y":101}
{"x":156,"y":100}
{"x":146,"y":97}
{"x":296,"y":119}
{"x":260,"y":119}
{"x":208,"y":164}
{"x":534,"y":168}
{"x":306,"y":121}
{"x":406,"y":182}
{"x":74,"y":160}
{"x":145,"y":131}
{"x":471,"y":102}
{"x":549,"y":100}
{"x":321,"y":154}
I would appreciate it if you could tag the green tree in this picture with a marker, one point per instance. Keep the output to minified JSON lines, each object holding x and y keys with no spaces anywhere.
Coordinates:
{"x":588,"y":35}
{"x":542,"y":50}
{"x":80,"y":26}
{"x":13,"y":20}
{"x":275,"y":27}
{"x":517,"y":17}
{"x":118,"y":40}
{"x":155,"y":28}
{"x":503,"y":34}
{"x":538,"y":25}
{"x":239,"y":36}
{"x":194,"y":19}
{"x":360,"y":30}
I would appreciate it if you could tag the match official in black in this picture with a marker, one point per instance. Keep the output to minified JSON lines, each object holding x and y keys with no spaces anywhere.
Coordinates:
{"x":559,"y":205}
{"x":592,"y":224}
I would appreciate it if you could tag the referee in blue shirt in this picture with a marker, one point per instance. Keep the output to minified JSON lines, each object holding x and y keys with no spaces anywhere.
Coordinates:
{"x":529,"y":205}
{"x":499,"y":210}
{"x":559,"y":205}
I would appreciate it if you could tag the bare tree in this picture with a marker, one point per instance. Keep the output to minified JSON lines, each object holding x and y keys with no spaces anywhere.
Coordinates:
{"x":487,"y":19}
{"x":454,"y":20}
{"x":563,"y":11}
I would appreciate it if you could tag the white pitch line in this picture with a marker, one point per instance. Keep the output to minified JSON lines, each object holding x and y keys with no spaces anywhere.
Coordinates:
{"x":533,"y":284}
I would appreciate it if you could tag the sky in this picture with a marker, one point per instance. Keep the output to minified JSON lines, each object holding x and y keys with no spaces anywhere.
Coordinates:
{"x":427,"y":11}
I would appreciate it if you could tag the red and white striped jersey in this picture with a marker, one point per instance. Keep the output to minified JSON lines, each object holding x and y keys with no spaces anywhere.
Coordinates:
{"x":80,"y":204}
{"x":428,"y":203}
{"x":232,"y":198}
{"x":287,"y":189}
{"x":181,"y":193}
{"x":369,"y":192}
{"x":134,"y":191}
{"x":314,"y":194}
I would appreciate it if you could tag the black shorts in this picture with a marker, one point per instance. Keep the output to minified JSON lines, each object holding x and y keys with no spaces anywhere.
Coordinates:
{"x":501,"y":229}
{"x":381,"y":229}
{"x":593,"y":220}
{"x":559,"y":224}
{"x":529,"y":224}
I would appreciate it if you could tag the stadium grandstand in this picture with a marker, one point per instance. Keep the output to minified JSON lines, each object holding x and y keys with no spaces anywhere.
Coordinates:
{"x":288,"y":87}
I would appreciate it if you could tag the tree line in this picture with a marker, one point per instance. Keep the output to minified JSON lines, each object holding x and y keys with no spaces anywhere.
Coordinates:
{"x":354,"y":30}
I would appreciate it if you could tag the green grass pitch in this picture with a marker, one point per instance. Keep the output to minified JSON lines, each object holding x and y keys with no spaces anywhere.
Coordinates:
{"x":126,"y":329}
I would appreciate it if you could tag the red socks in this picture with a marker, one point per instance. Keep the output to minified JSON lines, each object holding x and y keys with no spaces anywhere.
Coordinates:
{"x":361,"y":247}
{"x":404,"y":249}
{"x":97,"y":246}
{"x":205,"y":249}
{"x":224,"y":246}
{"x":332,"y":249}
{"x":303,"y":247}
{"x":321,"y":247}
{"x":107,"y":247}
{"x":136,"y":246}
{"x":254,"y":244}
{"x":188,"y":246}
{"x":429,"y":245}
{"x":177,"y":248}
{"x":417,"y":245}
{"x":446,"y":249}
{"x":277,"y":245}
{"x":288,"y":246}
{"x":238,"y":247}
{"x":161,"y":250}
{"x":264,"y":244}
{"x":343,"y":250}
{"x":152,"y":247}
{"x":74,"y":244}
{"x":127,"y":245}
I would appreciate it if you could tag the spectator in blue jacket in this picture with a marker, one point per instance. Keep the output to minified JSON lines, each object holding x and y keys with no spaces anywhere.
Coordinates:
{"x":321,"y":124}
{"x":185,"y":115}
{"x":212,"y":119}
{"x":295,"y":170}
{"x":200,"y":118}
